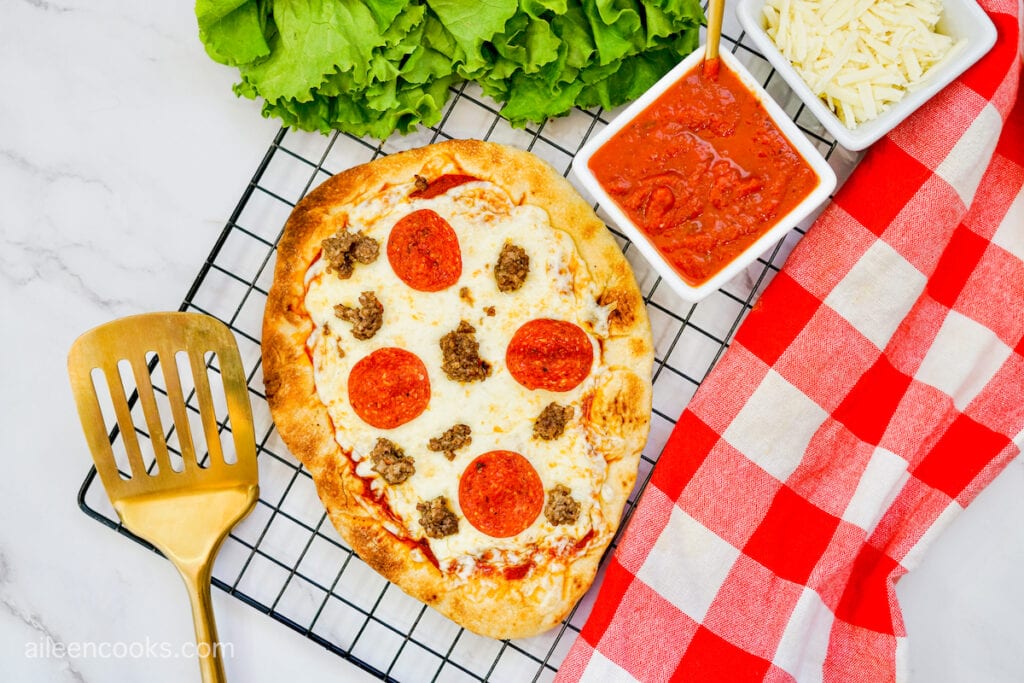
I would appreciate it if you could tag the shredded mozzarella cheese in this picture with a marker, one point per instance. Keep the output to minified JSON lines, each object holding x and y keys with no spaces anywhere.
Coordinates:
{"x":859,"y":56}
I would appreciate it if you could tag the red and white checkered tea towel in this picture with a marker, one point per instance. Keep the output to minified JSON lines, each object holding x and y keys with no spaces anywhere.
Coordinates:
{"x":874,"y":390}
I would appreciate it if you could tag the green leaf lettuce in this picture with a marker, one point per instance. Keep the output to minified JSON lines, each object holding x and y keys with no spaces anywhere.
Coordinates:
{"x":373,"y":67}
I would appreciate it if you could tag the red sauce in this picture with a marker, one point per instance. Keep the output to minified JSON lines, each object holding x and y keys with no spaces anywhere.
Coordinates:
{"x":703,"y":172}
{"x":583,"y":542}
{"x":425,"y":549}
{"x":518,"y":572}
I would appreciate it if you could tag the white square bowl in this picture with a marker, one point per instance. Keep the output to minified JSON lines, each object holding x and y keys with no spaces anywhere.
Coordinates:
{"x":961,"y":19}
{"x":687,"y":291}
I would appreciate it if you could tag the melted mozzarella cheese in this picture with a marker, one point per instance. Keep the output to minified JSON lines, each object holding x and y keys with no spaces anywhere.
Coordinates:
{"x":499,"y":410}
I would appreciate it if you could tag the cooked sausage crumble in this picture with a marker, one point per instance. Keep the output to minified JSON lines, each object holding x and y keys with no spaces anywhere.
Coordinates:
{"x":451,"y":441}
{"x":366,"y":319}
{"x":461,"y":352}
{"x":390,"y":461}
{"x":345,"y":249}
{"x":561,"y":507}
{"x":512,"y":267}
{"x":436,"y":518}
{"x":551,"y":422}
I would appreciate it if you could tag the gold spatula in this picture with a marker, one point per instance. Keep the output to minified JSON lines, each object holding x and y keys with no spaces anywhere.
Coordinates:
{"x":186,"y":514}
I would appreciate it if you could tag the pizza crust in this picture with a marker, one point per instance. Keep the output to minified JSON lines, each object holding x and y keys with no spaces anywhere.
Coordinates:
{"x":618,"y":417}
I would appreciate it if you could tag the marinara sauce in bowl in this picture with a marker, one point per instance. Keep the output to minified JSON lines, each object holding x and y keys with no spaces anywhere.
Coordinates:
{"x":703,"y":174}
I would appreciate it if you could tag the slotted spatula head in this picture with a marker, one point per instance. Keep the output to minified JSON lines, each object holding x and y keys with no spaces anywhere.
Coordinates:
{"x":186,"y":513}
{"x":165,"y":335}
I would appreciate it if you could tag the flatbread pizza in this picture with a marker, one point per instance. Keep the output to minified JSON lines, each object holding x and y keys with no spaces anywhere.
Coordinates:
{"x":456,"y":349}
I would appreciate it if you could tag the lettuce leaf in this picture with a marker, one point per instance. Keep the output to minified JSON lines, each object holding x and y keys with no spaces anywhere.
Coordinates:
{"x":314,"y":38}
{"x":472,"y":24}
{"x":233,"y":31}
{"x":374,"y":67}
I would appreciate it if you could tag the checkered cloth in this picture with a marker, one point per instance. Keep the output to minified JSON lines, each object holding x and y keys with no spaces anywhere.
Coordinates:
{"x":873,"y":391}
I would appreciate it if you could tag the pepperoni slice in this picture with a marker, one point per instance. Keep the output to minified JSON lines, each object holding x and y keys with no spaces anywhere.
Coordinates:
{"x":500,"y":493}
{"x":389,"y":387}
{"x":442,"y":184}
{"x":549,"y":354}
{"x":424,"y":251}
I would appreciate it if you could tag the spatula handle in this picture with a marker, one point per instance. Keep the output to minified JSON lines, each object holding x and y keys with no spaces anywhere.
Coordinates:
{"x":197,"y":581}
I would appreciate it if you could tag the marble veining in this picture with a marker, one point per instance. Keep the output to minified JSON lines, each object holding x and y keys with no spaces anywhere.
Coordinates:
{"x":45,"y":636}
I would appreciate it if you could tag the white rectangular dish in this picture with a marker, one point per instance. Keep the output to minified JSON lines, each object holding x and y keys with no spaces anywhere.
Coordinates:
{"x":961,"y":20}
{"x":690,"y":292}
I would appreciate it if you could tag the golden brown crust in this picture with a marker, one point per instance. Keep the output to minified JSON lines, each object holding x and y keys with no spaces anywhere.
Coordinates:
{"x":618,"y":414}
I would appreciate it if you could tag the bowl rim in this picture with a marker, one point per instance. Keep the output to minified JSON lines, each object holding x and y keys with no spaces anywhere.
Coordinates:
{"x":694,"y":293}
{"x":980,"y":37}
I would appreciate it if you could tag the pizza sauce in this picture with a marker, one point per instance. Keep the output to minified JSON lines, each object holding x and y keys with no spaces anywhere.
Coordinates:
{"x":703,"y":172}
{"x":440,"y":185}
{"x":477,"y":321}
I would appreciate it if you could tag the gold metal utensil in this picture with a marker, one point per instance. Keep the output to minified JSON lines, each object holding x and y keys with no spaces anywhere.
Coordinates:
{"x":716,"y":9}
{"x":186,"y":514}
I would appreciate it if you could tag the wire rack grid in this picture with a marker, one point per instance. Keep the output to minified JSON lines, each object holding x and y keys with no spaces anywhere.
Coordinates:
{"x":285,"y":559}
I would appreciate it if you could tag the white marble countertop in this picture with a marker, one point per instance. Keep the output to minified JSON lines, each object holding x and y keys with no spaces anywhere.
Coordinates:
{"x":122,"y":152}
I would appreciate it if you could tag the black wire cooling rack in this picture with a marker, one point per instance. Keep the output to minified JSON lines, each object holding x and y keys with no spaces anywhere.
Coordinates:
{"x":285,"y":559}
